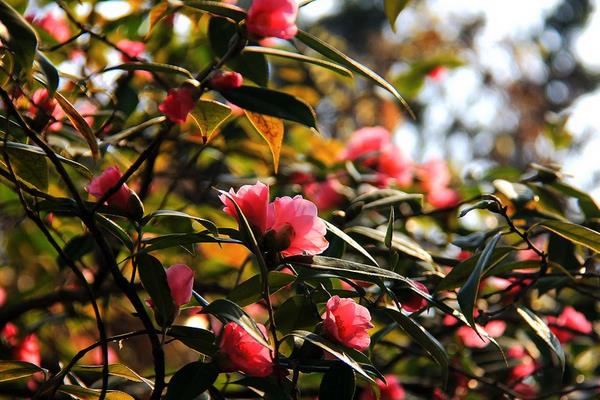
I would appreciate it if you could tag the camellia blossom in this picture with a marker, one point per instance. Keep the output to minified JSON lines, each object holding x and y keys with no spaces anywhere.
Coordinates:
{"x":253,"y":200}
{"x":226,"y":80}
{"x":109,"y":178}
{"x":524,"y":364}
{"x":55,"y":25}
{"x":180,"y":278}
{"x":296,"y":227}
{"x":470,"y":338}
{"x":443,"y":197}
{"x":393,"y":167}
{"x":42,"y":102}
{"x":326,"y":195}
{"x":366,"y":141}
{"x":272,"y":18}
{"x":347,"y":323}
{"x":131,"y":49}
{"x":572,"y":320}
{"x":29,"y":350}
{"x":244,"y":353}
{"x":414,"y":302}
{"x":178,"y":104}
{"x":392,"y":390}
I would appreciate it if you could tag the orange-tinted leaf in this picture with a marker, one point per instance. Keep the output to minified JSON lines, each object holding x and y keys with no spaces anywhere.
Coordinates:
{"x":79,"y":123}
{"x":271,"y":129}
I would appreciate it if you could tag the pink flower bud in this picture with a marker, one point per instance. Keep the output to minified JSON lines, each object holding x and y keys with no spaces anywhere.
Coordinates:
{"x":226,"y":80}
{"x":54,"y":24}
{"x":180,"y":278}
{"x":392,"y":390}
{"x":272,"y":18}
{"x":178,"y":104}
{"x":347,"y":323}
{"x":243,"y":353}
{"x":109,"y":178}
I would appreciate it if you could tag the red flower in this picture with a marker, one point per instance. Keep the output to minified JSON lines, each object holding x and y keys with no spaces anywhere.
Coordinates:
{"x":573,"y":321}
{"x":366,"y":142}
{"x":29,"y":350}
{"x":272,"y":18}
{"x":253,"y":200}
{"x":326,"y":195}
{"x":347,"y":323}
{"x":180,"y":278}
{"x":470,"y":338}
{"x":443,"y":197}
{"x":244,"y":353}
{"x":414,"y":302}
{"x":55,"y":25}
{"x":226,"y":80}
{"x":392,"y":390}
{"x":525,"y":364}
{"x":178,"y":104}
{"x":131,"y":49}
{"x":109,"y":178}
{"x":42,"y":102}
{"x":437,"y":72}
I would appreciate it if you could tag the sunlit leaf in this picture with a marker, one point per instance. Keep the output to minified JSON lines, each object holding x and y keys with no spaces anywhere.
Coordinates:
{"x":541,"y":329}
{"x":272,"y":130}
{"x":11,"y":370}
{"x":79,"y":123}
{"x":152,"y":67}
{"x":22,"y":39}
{"x":209,"y":115}
{"x":82,"y":393}
{"x":576,"y":233}
{"x":399,"y":242}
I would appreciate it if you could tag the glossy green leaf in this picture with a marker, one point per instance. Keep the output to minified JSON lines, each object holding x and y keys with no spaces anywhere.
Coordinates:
{"x":77,"y":247}
{"x":339,"y":383}
{"x":11,"y":370}
{"x":389,"y":233}
{"x":425,"y":339}
{"x":339,"y":57}
{"x":181,"y":239}
{"x":30,"y":166}
{"x":154,"y":278}
{"x":127,"y":133}
{"x":587,"y":203}
{"x":209,"y":115}
{"x":178,"y":214}
{"x":250,"y":291}
{"x":201,"y":340}
{"x":114,"y":229}
{"x":467,"y":295}
{"x":273,"y":103}
{"x":191,"y":380}
{"x":297,"y":312}
{"x":120,"y":370}
{"x":228,"y":311}
{"x":400,"y":242}
{"x":575,"y":233}
{"x":541,"y":329}
{"x":82,"y":393}
{"x":490,"y":205}
{"x":299,"y":57}
{"x":49,"y":71}
{"x":351,"y":242}
{"x":21,"y":39}
{"x":151,"y":67}
{"x":394,"y":200}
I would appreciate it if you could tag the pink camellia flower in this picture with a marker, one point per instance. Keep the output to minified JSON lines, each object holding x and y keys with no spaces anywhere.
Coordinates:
{"x":29,"y":350}
{"x":180,"y":278}
{"x":434,"y":174}
{"x":393,"y":167}
{"x":572,"y":320}
{"x":272,"y":18}
{"x":42,"y":102}
{"x":347,"y":323}
{"x":414,"y":302}
{"x":470,"y":338}
{"x":296,"y":227}
{"x":55,"y":25}
{"x":443,"y":197}
{"x":365,"y":142}
{"x":525,"y":365}
{"x":178,"y":104}
{"x":253,"y":200}
{"x":326,"y":195}
{"x":392,"y":390}
{"x":9,"y":334}
{"x":109,"y":178}
{"x":244,"y":353}
{"x":226,"y":80}
{"x":131,"y":49}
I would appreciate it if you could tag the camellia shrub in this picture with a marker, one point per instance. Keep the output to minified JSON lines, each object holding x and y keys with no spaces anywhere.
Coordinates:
{"x":175,"y":226}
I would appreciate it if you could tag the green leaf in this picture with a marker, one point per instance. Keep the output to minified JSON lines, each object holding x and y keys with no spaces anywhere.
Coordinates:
{"x":541,"y":329}
{"x":218,"y":8}
{"x":298,"y":57}
{"x":82,"y":393}
{"x":250,"y":291}
{"x":209,"y":115}
{"x":152,"y":67}
{"x":273,"y":103}
{"x":461,"y":272}
{"x":575,"y":233}
{"x":154,"y":279}
{"x":228,"y":311}
{"x":126,"y":133}
{"x":11,"y":370}
{"x":335,"y":350}
{"x":339,"y":57}
{"x":120,"y":370}
{"x":588,"y":205}
{"x":77,"y":247}
{"x":339,"y":383}
{"x":21,"y":39}
{"x":467,"y":295}
{"x":191,"y":380}
{"x":49,"y":71}
{"x":201,"y":340}
{"x":181,"y":239}
{"x":297,"y":312}
{"x":389,"y":234}
{"x":30,"y":166}
{"x":400,"y":242}
{"x":79,"y":123}
{"x":490,"y":205}
{"x":253,"y":66}
{"x":425,"y":339}
{"x":353,"y":243}
{"x":178,"y":214}
{"x":19,"y":148}
{"x":392,"y":9}
{"x":115,"y":230}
